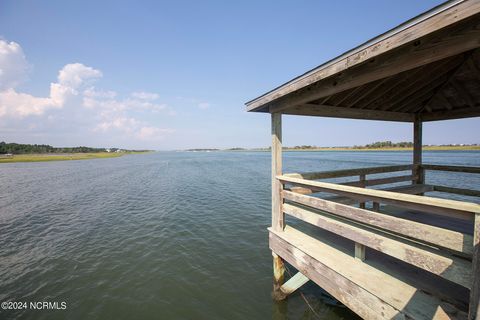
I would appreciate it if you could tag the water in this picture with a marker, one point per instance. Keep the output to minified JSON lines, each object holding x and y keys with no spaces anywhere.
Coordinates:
{"x":169,"y":235}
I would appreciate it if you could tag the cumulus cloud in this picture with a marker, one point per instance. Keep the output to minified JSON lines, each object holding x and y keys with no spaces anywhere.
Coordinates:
{"x":13,"y":69}
{"x":13,"y":65}
{"x":95,"y":110}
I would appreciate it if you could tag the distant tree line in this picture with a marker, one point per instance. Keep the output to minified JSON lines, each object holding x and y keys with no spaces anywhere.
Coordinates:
{"x":18,"y":148}
{"x":386,"y":144}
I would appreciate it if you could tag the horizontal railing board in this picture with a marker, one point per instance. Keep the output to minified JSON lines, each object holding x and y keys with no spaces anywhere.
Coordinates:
{"x":408,"y":189}
{"x":348,"y":172}
{"x":460,"y":191}
{"x":458,"y":209}
{"x":379,"y":181}
{"x":445,"y":238}
{"x":451,"y":268}
{"x":437,"y":167}
{"x":357,"y":284}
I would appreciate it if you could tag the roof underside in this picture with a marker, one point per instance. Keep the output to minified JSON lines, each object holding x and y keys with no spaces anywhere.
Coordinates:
{"x":429,"y":69}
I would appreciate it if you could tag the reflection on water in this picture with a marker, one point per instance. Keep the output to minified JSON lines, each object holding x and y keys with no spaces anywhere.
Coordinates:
{"x":169,"y":235}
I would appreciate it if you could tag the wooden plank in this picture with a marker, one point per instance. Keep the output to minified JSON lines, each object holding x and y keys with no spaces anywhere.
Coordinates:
{"x":465,"y":192}
{"x":380,"y":181}
{"x":474,"y":310}
{"x":457,"y":209}
{"x":421,"y":27}
{"x":409,"y":189}
{"x":278,"y":220}
{"x":307,"y":109}
{"x":348,"y":172}
{"x":359,"y":285}
{"x":357,"y":299}
{"x":437,"y":167}
{"x":448,"y":267}
{"x":294,"y":283}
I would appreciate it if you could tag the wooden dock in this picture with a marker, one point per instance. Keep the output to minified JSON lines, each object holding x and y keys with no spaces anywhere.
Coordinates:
{"x":380,"y":242}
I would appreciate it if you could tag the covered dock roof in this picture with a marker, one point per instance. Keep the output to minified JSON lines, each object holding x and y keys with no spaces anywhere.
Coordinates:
{"x":426,"y":69}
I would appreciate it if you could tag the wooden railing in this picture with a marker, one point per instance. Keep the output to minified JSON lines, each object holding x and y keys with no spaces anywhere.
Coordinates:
{"x":452,"y":255}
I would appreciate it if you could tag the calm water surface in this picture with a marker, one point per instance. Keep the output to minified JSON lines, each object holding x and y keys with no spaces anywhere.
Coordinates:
{"x":169,"y":235}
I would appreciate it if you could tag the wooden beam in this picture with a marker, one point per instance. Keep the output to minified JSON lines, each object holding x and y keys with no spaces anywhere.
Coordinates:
{"x":452,"y":240}
{"x":350,"y":113}
{"x":474,"y":310}
{"x":294,"y":283}
{"x":383,"y":66}
{"x":465,"y":192}
{"x":447,"y":267}
{"x":278,"y":218}
{"x":418,"y":171}
{"x":278,"y":221}
{"x":450,"y":208}
{"x":438,"y":167}
{"x":375,"y":48}
{"x":348,"y":172}
{"x":452,"y":114}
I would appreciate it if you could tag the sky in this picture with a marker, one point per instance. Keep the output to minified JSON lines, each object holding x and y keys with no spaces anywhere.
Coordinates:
{"x":168,"y":75}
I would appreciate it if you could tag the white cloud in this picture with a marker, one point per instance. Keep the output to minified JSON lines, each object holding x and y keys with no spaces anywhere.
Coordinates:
{"x":13,"y":65}
{"x":145,"y":95}
{"x":13,"y":68}
{"x":74,"y":104}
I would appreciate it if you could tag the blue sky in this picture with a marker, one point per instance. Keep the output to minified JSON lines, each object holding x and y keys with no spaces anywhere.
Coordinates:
{"x":174,"y":75}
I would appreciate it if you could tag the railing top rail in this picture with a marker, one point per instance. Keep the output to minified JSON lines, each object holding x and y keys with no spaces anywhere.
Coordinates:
{"x":348,"y":172}
{"x":422,"y":202}
{"x":437,"y":167}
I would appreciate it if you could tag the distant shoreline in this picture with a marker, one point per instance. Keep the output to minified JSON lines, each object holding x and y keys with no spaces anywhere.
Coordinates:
{"x":42,"y":157}
{"x":425,"y":148}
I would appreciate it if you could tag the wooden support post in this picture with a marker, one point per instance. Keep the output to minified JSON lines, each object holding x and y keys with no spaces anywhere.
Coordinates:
{"x":474,"y":309}
{"x":362,"y":185}
{"x":278,"y":220}
{"x":278,"y":217}
{"x":418,"y":170}
{"x":376,"y":206}
{"x":359,"y":251}
{"x":278,"y":278}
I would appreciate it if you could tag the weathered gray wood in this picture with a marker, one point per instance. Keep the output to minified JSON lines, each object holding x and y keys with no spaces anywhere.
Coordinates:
{"x":417,"y":151}
{"x":474,"y":310}
{"x":451,"y":168}
{"x":308,"y":109}
{"x":357,"y":299}
{"x":457,"y":209}
{"x":348,"y":172}
{"x":294,"y":283}
{"x":278,"y":220}
{"x":452,"y":114}
{"x":393,"y":40}
{"x":379,"y":181}
{"x":465,"y":192}
{"x":376,"y":206}
{"x":448,"y":267}
{"x":367,"y":289}
{"x":278,"y":217}
{"x":278,"y":277}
